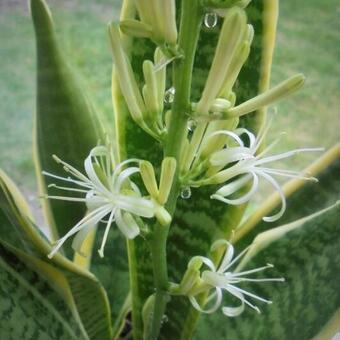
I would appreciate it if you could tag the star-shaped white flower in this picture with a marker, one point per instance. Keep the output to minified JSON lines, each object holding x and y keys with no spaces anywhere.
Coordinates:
{"x":224,"y":279}
{"x":107,"y":191}
{"x":250,"y":166}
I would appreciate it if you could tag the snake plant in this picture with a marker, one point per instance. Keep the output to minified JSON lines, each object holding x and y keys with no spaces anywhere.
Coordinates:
{"x":149,"y":236}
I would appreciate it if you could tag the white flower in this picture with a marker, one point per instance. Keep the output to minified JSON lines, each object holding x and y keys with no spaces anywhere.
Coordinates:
{"x":107,"y":191}
{"x":223,"y":279}
{"x":249,"y":166}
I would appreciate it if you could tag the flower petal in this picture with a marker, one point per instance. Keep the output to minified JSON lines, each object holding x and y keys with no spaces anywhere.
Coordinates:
{"x":127,"y":224}
{"x":135,"y":205}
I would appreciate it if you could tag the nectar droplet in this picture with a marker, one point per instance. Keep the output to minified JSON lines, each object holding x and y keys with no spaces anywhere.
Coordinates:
{"x":210,"y":20}
{"x":186,"y":193}
{"x":169,"y":95}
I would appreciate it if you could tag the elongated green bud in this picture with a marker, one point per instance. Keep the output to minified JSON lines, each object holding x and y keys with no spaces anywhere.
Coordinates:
{"x":148,"y":101}
{"x":149,"y":178}
{"x":271,"y":96}
{"x":126,"y":77}
{"x":170,"y":29}
{"x":238,"y":61}
{"x":161,"y":16}
{"x":136,"y":28}
{"x":151,"y":83}
{"x":231,"y":35}
{"x":167,"y":175}
{"x":145,"y":11}
{"x":160,"y":77}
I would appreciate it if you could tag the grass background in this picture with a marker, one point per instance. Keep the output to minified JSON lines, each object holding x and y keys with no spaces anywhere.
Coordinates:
{"x":308,"y":41}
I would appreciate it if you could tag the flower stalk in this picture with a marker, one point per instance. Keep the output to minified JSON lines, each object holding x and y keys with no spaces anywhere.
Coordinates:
{"x":191,"y":18}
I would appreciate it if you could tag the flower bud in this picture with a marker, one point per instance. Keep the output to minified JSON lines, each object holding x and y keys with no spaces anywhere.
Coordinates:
{"x":167,"y":176}
{"x":149,"y":178}
{"x":135,"y":28}
{"x":231,"y":35}
{"x":125,"y":75}
{"x":151,"y":94}
{"x":269,"y":97}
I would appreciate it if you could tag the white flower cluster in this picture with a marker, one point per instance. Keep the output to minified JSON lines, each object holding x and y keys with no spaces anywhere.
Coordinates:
{"x":107,"y":190}
{"x":221,"y":278}
{"x":239,"y":166}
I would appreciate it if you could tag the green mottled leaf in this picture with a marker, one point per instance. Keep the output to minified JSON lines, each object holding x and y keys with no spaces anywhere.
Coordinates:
{"x":66,"y":125}
{"x":29,"y":307}
{"x":65,"y":122}
{"x":196,"y":222}
{"x":308,"y":257}
{"x":81,"y":289}
{"x":112,"y":270}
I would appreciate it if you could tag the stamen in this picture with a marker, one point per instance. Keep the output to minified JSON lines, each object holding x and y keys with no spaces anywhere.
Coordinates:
{"x":66,"y":198}
{"x":286,"y":155}
{"x":106,"y":233}
{"x":66,"y":188}
{"x":68,"y":179}
{"x":71,"y":169}
{"x":251,"y":295}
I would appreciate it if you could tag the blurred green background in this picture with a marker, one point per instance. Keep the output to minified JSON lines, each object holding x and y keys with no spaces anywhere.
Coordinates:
{"x":308,"y":41}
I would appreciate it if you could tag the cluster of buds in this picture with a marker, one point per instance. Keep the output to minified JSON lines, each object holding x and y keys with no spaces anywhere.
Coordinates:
{"x":157,"y":21}
{"x":146,"y":108}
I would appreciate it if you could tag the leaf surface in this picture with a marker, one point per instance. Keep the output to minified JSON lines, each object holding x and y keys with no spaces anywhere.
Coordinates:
{"x":81,"y":289}
{"x":66,"y":124}
{"x":30,"y":308}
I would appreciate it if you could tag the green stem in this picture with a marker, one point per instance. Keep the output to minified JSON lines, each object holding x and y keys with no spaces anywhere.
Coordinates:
{"x":191,"y":17}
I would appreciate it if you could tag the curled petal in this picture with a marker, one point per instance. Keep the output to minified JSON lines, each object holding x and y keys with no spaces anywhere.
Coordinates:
{"x":218,"y":299}
{"x":234,"y":311}
{"x":123,"y":176}
{"x":231,"y":134}
{"x":272,"y":181}
{"x":233,"y":187}
{"x":92,"y":174}
{"x":207,"y":262}
{"x":237,"y":293}
{"x":251,"y":136}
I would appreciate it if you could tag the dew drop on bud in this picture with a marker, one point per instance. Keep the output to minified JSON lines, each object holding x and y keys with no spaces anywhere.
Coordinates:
{"x":169,"y":95}
{"x":210,"y":20}
{"x":191,"y":125}
{"x":186,"y":193}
